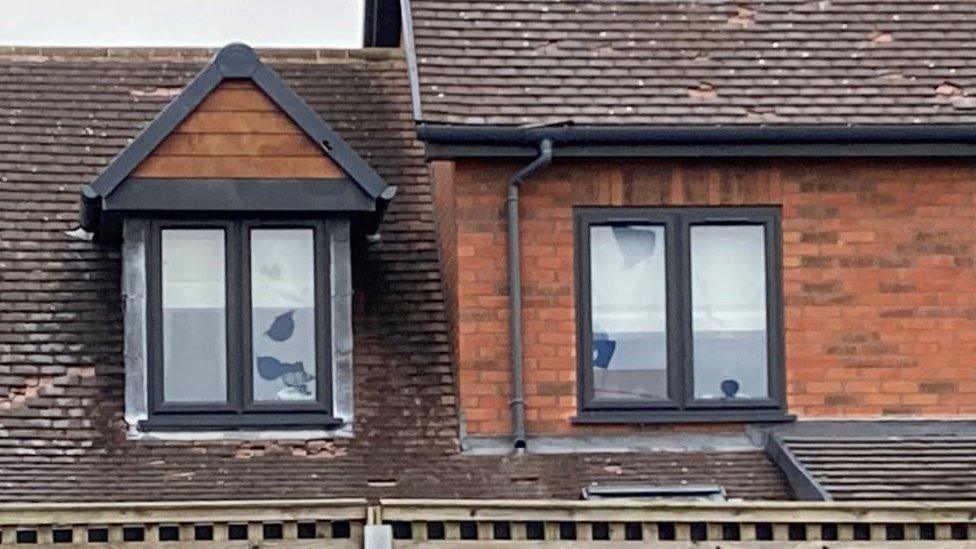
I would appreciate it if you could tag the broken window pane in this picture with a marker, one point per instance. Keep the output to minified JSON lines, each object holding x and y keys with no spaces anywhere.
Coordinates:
{"x":629,"y":325}
{"x":728,"y":294}
{"x":194,"y":316}
{"x":283,"y":314}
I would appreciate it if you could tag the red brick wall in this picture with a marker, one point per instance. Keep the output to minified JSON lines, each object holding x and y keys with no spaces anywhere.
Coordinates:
{"x":879,"y":278}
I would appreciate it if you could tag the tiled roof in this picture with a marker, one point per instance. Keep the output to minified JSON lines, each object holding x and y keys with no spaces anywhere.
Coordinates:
{"x":659,"y":62}
{"x":891,"y":467}
{"x":63,"y":116}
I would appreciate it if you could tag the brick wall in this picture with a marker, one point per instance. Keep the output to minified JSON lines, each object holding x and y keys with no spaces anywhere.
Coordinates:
{"x":879,"y":278}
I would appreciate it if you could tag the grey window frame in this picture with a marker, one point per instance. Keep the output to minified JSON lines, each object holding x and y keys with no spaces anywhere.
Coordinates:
{"x":681,"y":405}
{"x":240,"y":411}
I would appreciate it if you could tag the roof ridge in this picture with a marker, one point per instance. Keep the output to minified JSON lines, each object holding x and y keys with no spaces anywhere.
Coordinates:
{"x":41,"y":54}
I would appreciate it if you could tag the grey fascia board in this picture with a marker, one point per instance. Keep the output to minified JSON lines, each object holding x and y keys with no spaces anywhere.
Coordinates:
{"x":157,"y":130}
{"x":239,"y":195}
{"x":238,"y":61}
{"x":320,"y":131}
{"x":804,"y":485}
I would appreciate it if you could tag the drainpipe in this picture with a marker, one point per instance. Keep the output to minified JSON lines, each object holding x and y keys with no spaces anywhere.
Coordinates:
{"x":515,"y":291}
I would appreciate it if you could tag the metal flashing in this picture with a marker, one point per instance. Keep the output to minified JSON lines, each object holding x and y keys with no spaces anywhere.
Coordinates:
{"x":590,"y":444}
{"x":406,"y":18}
{"x":805,"y":487}
{"x":706,"y":492}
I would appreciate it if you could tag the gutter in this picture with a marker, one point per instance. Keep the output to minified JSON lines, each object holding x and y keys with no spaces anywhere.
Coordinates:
{"x":543,"y":159}
{"x":455,"y":140}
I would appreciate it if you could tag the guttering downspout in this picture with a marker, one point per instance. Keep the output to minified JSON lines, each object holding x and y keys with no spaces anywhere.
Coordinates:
{"x":515,"y":291}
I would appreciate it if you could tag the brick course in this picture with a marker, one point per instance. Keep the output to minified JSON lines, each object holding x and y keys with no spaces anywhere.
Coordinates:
{"x":879,"y":278}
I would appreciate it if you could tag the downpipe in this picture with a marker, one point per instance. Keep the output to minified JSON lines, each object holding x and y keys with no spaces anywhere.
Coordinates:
{"x":515,"y":291}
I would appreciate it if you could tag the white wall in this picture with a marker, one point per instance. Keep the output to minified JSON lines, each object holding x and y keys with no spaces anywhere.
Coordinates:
{"x":182,"y":23}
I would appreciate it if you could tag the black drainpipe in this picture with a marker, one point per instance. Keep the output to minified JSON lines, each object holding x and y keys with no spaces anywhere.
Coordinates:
{"x":515,"y":290}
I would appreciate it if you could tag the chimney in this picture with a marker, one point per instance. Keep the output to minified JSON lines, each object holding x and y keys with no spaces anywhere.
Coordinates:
{"x":382,"y":24}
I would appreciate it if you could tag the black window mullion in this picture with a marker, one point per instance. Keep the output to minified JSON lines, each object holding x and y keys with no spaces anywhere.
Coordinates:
{"x":323,"y":313}
{"x":683,"y":360}
{"x":236,"y":309}
{"x":247,"y":343}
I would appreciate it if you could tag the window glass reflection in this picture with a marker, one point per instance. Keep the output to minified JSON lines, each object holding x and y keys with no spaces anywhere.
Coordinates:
{"x":629,"y":321}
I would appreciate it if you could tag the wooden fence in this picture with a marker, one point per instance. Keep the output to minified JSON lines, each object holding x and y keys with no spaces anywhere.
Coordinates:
{"x":354,"y":523}
{"x":594,"y":524}
{"x":300,"y":523}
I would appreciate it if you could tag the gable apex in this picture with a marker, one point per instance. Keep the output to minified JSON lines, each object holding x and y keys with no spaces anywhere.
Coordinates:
{"x":235,"y":62}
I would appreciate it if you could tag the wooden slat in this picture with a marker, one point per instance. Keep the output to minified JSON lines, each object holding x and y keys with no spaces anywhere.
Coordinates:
{"x":617,"y":531}
{"x":268,"y":544}
{"x":238,"y":122}
{"x":237,"y":98}
{"x":239,"y":144}
{"x":686,"y":545}
{"x":687,"y":512}
{"x":237,"y":167}
{"x":418,"y":530}
{"x":83,"y":514}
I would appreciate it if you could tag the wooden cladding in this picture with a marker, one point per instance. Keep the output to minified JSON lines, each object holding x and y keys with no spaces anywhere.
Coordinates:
{"x":238,"y":132}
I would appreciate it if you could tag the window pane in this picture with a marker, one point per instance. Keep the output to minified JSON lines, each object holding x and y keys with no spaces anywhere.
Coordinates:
{"x":194,"y":316}
{"x":628,"y":312}
{"x":728,"y":293}
{"x":283,"y":314}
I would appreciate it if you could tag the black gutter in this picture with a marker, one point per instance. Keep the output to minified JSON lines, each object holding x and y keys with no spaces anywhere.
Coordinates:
{"x":715,"y":140}
{"x":543,"y":159}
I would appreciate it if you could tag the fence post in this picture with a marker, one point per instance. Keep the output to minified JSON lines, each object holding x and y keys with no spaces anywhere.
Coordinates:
{"x":376,"y":535}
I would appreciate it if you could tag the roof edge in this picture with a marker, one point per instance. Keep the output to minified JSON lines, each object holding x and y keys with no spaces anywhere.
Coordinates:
{"x":805,"y":487}
{"x":413,"y":72}
{"x":238,"y":60}
{"x":570,"y":140}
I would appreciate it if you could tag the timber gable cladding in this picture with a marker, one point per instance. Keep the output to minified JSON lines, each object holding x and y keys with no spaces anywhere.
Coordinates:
{"x":237,"y":131}
{"x":239,"y":97}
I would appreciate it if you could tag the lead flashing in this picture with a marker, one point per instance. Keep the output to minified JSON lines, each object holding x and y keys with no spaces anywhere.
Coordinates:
{"x":805,"y":487}
{"x":496,"y":446}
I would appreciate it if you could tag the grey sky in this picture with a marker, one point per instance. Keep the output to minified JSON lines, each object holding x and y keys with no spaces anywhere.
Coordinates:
{"x":187,"y":23}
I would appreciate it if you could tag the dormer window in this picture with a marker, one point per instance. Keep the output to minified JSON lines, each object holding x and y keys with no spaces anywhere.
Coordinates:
{"x":239,"y":323}
{"x":235,"y":209}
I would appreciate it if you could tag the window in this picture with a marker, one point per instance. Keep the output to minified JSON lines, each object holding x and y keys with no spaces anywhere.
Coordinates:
{"x":679,"y":314}
{"x":239,"y":324}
